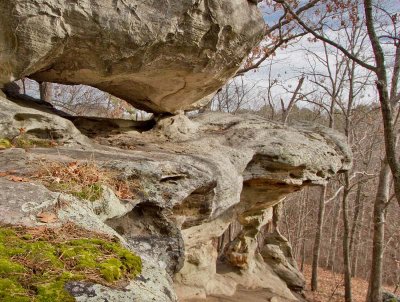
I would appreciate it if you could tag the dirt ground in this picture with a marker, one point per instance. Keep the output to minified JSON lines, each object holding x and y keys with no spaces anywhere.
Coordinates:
{"x":242,"y":295}
{"x":331,"y":289}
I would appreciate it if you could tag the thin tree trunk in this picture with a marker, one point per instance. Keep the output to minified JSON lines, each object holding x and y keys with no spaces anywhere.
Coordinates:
{"x":331,"y":253}
{"x":317,"y":240}
{"x":356,"y":251}
{"x":346,"y":246}
{"x":46,"y":91}
{"x":303,"y":250}
{"x":23,"y":85}
{"x":300,"y":228}
{"x":382,"y":195}
{"x":356,"y":217}
{"x":332,"y":262}
{"x":292,"y":102}
{"x":303,"y":255}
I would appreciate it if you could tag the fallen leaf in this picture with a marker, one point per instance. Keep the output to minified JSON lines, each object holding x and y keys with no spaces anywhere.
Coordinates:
{"x":17,"y":178}
{"x":2,"y":174}
{"x":47,"y":217}
{"x":73,"y":166}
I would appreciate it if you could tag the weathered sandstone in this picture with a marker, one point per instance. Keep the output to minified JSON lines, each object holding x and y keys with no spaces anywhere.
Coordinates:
{"x":194,"y":178}
{"x":159,"y":55}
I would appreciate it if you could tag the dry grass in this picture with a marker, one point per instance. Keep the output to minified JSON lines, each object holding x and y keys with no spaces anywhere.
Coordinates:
{"x":331,"y":287}
{"x":84,"y":180}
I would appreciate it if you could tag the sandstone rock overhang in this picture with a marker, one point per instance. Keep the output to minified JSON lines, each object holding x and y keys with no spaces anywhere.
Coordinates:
{"x":160,"y":56}
{"x":190,"y":179}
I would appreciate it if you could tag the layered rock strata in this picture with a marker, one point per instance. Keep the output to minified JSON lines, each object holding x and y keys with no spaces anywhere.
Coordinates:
{"x":161,"y":56}
{"x":192,"y":178}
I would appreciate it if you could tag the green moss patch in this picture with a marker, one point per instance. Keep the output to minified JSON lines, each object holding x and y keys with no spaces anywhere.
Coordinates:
{"x":26,"y":143}
{"x":91,"y":192}
{"x":5,"y":143}
{"x":36,"y":263}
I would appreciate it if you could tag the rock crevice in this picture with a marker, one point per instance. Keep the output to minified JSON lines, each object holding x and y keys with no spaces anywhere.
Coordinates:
{"x":190,"y":180}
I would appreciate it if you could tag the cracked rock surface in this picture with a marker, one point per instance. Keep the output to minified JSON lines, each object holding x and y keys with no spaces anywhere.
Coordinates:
{"x":194,"y":177}
{"x":159,"y":55}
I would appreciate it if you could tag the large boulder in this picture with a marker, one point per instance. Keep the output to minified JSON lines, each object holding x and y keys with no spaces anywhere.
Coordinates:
{"x":159,"y":55}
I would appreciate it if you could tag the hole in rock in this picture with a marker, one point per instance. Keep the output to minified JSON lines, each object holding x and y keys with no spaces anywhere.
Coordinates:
{"x":197,"y":207}
{"x":149,"y":232}
{"x":90,"y":109}
{"x":28,"y":116}
{"x":45,"y":134}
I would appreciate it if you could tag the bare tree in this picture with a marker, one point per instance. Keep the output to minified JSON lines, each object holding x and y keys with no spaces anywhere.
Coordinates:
{"x":317,"y":241}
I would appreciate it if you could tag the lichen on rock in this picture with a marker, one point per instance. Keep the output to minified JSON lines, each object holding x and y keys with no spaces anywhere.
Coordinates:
{"x":175,"y":187}
{"x":190,"y":179}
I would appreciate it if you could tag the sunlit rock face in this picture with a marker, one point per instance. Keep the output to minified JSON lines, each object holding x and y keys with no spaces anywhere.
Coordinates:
{"x":190,"y":179}
{"x":159,"y":55}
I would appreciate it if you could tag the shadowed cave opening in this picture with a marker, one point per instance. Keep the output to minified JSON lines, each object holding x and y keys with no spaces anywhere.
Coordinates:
{"x":92,"y":111}
{"x":150,"y":232}
{"x":197,"y":207}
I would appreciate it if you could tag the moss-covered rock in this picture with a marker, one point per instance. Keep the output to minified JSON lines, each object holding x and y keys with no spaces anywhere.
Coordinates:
{"x":35,"y":264}
{"x":26,"y":142}
{"x":5,"y":143}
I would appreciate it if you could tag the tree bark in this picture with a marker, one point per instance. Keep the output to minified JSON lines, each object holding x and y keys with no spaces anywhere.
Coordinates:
{"x":346,"y":245}
{"x":357,"y":240}
{"x":333,"y":245}
{"x":356,"y":218}
{"x":317,"y":240}
{"x":384,"y":99}
{"x":382,"y":195}
{"x":292,"y":102}
{"x":46,"y":91}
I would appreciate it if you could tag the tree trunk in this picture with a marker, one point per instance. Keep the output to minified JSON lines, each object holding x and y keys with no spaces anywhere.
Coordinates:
{"x":384,"y":99}
{"x":333,"y":249}
{"x":357,"y":240}
{"x":382,"y":195}
{"x":331,"y":253}
{"x":317,"y":240}
{"x":23,"y":85}
{"x":46,"y":91}
{"x":356,"y":217}
{"x":292,"y":102}
{"x":346,"y":245}
{"x":304,"y":231}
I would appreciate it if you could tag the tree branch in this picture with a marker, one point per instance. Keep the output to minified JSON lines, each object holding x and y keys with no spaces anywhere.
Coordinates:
{"x":322,"y":38}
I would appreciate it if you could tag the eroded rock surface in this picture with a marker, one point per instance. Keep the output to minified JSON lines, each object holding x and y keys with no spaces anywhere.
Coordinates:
{"x":193,"y":178}
{"x":159,"y":55}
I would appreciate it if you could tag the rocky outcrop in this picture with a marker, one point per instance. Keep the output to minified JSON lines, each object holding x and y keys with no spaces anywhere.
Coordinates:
{"x":277,"y":252}
{"x":161,"y":56}
{"x":191,"y":178}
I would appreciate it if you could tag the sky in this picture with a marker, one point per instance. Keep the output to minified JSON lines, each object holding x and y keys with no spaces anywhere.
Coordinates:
{"x":290,"y":63}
